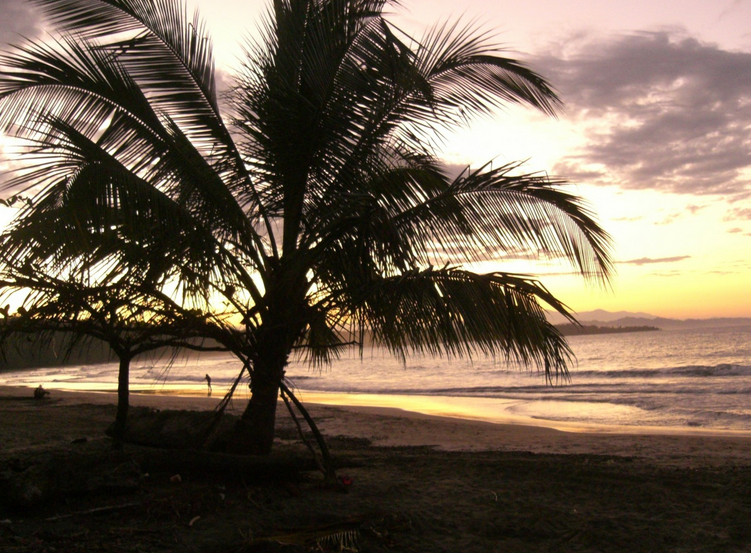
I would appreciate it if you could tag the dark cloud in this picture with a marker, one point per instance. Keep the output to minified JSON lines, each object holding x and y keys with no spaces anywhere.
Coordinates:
{"x":451,"y":252}
{"x":659,"y":111}
{"x":651,"y":260}
{"x":18,"y":19}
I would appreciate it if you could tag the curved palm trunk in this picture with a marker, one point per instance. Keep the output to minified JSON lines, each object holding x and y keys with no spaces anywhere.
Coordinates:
{"x":254,"y":433}
{"x":123,"y":393}
{"x":257,"y":425}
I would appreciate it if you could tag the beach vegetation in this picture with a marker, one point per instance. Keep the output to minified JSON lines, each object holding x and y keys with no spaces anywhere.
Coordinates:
{"x":308,"y":202}
{"x":129,"y":320}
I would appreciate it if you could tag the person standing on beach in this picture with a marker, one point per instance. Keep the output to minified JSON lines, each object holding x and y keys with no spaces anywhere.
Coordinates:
{"x":208,"y":382}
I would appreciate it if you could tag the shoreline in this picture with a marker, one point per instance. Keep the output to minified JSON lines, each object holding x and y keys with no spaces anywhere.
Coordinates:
{"x":467,"y":408}
{"x":384,"y":426}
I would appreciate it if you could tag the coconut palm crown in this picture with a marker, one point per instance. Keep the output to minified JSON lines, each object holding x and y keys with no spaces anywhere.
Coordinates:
{"x":311,"y":201}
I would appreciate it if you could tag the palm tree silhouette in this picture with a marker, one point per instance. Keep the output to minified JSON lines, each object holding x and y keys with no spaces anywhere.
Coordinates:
{"x":312,"y":203}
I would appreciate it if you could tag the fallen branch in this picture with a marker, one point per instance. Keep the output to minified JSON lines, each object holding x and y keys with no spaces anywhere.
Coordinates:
{"x":98,"y":510}
{"x":279,"y":464}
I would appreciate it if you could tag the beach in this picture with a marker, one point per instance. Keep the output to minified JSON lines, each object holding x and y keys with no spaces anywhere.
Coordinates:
{"x":418,"y":483}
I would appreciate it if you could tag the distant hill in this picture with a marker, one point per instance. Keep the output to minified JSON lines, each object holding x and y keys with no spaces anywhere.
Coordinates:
{"x":569,"y":329}
{"x":22,"y":352}
{"x":600,"y":317}
{"x":611,"y":316}
{"x":682,"y":323}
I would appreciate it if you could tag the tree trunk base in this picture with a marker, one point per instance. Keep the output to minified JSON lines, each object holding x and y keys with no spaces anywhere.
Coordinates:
{"x":246,"y":438}
{"x":254,"y":432}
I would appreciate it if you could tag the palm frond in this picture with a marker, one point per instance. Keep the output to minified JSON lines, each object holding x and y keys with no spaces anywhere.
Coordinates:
{"x":101,"y":210}
{"x":171,"y":59}
{"x":64,"y":80}
{"x":502,"y":211}
{"x":154,"y":38}
{"x":455,"y":312}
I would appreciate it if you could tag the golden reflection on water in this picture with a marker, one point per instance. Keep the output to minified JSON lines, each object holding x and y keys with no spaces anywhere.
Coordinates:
{"x":540,"y":413}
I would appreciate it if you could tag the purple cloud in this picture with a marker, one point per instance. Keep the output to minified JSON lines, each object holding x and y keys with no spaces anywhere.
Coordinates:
{"x":738,"y":214}
{"x":659,"y":111}
{"x":651,"y":260}
{"x":19,"y":19}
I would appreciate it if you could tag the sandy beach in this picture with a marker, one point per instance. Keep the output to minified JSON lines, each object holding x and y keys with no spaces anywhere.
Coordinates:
{"x":420,"y":483}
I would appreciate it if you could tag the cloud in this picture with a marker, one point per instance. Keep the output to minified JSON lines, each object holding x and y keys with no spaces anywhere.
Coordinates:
{"x":669,"y":219}
{"x":738,"y":214}
{"x":668,"y":274}
{"x":658,"y":111}
{"x":19,"y":19}
{"x":694,"y":209}
{"x":651,"y":260}
{"x":685,"y":211}
{"x":733,"y":7}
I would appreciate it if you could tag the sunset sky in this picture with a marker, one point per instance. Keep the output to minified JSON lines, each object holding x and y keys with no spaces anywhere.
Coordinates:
{"x":656,"y":132}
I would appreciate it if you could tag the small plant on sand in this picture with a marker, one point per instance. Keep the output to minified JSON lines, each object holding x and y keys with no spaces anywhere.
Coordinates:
{"x":310,"y":204}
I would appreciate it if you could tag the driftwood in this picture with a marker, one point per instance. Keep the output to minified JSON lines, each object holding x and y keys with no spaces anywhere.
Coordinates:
{"x":36,"y":480}
{"x":172,"y":429}
{"x":250,"y":467}
{"x":40,"y":477}
{"x":97,"y":510}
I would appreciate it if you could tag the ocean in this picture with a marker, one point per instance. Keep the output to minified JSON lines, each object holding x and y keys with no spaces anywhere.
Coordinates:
{"x":671,"y":380}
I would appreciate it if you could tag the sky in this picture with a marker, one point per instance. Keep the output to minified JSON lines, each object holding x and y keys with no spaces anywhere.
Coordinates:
{"x":655,"y":134}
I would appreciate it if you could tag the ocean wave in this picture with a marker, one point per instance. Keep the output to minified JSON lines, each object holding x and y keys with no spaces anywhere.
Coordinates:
{"x":723,"y":369}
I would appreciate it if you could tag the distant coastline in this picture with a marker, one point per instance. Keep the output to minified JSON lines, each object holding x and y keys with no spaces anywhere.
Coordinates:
{"x":569,"y":329}
{"x":600,"y":317}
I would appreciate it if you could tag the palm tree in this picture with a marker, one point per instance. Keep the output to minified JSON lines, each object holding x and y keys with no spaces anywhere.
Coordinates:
{"x":315,"y":208}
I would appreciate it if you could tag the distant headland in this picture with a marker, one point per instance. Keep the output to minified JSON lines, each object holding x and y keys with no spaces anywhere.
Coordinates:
{"x":602,"y":318}
{"x":570,"y":329}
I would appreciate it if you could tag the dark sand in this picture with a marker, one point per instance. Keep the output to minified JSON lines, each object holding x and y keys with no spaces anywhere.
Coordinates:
{"x":419,"y":484}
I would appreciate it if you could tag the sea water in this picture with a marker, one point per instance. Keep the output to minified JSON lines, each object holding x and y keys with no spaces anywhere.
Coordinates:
{"x":690,"y":379}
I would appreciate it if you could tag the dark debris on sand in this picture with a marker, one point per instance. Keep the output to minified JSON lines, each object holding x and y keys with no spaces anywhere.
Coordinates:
{"x":401,"y":500}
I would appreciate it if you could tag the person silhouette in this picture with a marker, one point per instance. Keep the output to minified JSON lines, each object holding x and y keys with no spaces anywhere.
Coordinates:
{"x":208,"y":382}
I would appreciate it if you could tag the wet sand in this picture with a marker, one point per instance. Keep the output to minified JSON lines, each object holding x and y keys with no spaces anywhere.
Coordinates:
{"x":391,"y":427}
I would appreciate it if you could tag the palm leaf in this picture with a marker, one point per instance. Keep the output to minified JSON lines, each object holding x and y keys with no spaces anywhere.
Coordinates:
{"x":452,"y":312}
{"x":171,"y":58}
